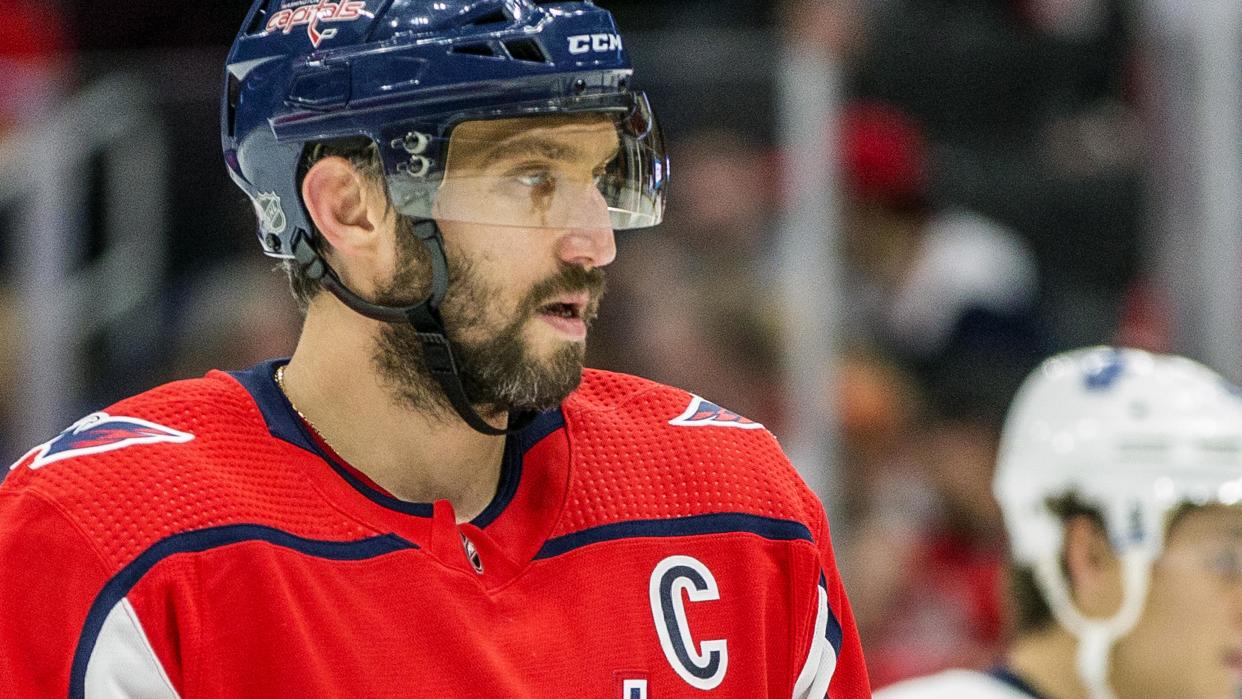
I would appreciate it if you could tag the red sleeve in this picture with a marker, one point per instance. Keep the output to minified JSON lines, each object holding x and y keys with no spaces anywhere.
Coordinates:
{"x":49,"y":577}
{"x":835,"y":652}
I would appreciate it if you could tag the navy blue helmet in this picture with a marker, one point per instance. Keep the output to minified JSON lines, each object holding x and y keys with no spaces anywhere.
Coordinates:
{"x":405,"y":74}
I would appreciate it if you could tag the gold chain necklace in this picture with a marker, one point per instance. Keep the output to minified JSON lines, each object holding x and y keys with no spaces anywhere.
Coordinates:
{"x":280,"y":383}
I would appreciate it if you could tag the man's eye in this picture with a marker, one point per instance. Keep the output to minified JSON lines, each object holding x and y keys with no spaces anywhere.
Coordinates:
{"x":1227,"y":564}
{"x":534,"y":179}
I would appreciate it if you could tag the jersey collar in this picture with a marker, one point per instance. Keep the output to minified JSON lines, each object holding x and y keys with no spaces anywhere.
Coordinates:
{"x":1003,"y":674}
{"x":284,"y":423}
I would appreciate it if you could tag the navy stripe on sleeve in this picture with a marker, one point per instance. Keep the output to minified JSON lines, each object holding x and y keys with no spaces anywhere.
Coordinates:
{"x":727,"y":523}
{"x":205,"y":540}
{"x":833,"y":631}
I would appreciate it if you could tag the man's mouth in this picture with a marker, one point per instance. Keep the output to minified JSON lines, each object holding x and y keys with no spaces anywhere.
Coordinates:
{"x":569,"y":315}
{"x":571,"y":307}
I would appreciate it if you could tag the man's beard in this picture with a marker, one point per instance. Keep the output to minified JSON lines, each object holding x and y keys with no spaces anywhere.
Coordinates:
{"x":498,"y":370}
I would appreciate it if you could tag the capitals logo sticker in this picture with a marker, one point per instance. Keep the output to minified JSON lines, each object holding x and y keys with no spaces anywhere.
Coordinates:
{"x":312,"y":13}
{"x":98,"y":433}
{"x":704,"y":413}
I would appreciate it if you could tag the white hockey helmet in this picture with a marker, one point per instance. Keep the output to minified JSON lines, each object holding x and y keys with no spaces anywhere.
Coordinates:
{"x":1131,"y":433}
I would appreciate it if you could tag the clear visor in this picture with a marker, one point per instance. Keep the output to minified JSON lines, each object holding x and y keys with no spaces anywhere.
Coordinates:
{"x":591,"y":169}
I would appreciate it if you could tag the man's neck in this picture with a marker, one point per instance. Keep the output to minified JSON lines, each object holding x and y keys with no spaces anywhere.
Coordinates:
{"x":1047,"y":660}
{"x":332,"y":381}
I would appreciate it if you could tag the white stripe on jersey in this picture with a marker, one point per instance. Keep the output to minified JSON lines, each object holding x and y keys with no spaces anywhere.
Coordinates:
{"x":821,"y":661}
{"x":123,"y":664}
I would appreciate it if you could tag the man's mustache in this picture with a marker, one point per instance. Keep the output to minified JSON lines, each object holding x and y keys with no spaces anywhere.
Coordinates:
{"x":570,"y":280}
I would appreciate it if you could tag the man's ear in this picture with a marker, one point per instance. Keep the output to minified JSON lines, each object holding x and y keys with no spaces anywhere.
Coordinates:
{"x":342,"y":205}
{"x":1092,"y":567}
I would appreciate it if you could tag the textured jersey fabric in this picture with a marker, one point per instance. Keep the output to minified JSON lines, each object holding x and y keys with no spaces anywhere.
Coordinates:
{"x":196,"y":541}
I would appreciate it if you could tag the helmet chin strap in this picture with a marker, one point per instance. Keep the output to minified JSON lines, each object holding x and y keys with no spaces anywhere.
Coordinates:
{"x":424,"y":317}
{"x":1096,"y":637}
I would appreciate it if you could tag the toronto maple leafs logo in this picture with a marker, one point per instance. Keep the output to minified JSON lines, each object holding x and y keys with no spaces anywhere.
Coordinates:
{"x":1105,"y":370}
{"x":704,"y":413}
{"x":98,"y":433}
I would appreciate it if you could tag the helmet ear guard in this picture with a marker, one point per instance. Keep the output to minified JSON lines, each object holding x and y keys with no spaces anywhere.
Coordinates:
{"x":1096,"y":637}
{"x":1132,"y":434}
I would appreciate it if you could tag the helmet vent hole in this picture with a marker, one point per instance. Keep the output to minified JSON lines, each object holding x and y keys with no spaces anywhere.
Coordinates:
{"x":498,"y":16}
{"x":234,"y":98}
{"x":526,"y":50}
{"x":476,"y":50}
{"x":258,"y":22}
{"x":1226,"y":450}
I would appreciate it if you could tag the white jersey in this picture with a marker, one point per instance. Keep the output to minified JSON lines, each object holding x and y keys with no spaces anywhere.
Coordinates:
{"x":954,"y":684}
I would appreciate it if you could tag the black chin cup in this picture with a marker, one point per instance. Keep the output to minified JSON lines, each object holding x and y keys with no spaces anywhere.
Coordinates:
{"x":424,"y":316}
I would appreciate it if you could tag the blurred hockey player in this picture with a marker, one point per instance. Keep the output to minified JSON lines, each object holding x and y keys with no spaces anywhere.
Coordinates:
{"x":432,"y":498}
{"x":1120,"y":477}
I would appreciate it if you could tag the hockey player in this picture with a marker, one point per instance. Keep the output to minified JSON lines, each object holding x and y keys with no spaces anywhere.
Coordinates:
{"x":1120,"y":476}
{"x":431,"y":498}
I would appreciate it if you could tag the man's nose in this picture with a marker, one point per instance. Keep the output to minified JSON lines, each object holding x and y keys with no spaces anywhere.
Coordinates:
{"x":589,"y":242}
{"x":588,"y":247}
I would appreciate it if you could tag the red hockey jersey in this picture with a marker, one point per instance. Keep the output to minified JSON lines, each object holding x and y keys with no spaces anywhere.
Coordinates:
{"x":196,"y":541}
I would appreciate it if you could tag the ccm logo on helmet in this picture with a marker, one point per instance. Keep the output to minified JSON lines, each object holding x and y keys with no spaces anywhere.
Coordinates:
{"x":594,"y":43}
{"x":310,"y":14}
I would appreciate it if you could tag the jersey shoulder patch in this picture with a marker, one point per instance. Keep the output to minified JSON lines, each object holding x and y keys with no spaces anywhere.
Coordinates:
{"x":604,"y":390}
{"x":98,"y":433}
{"x":660,"y":453}
{"x":185,"y":456}
{"x":178,"y":413}
{"x":704,"y":413}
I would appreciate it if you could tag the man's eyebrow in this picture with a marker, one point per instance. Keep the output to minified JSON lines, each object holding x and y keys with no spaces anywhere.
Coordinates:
{"x":525,"y":146}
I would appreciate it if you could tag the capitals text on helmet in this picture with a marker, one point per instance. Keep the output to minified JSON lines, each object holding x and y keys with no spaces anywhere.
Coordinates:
{"x":311,"y":15}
